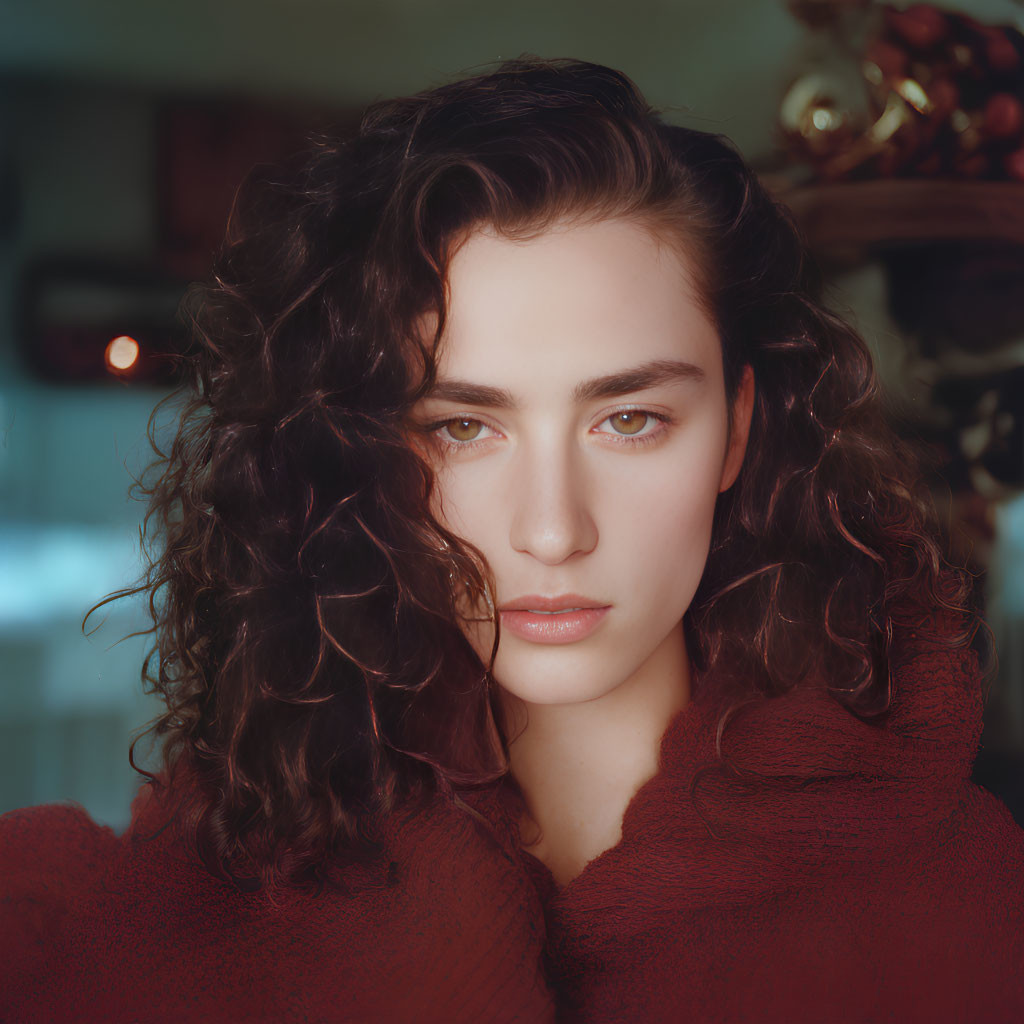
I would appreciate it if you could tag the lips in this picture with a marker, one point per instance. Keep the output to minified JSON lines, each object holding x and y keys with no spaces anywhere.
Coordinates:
{"x":549,"y":605}
{"x":563,"y":619}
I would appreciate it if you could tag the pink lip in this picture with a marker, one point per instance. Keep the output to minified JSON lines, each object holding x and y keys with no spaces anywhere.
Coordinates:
{"x":536,"y":603}
{"x":562,"y":627}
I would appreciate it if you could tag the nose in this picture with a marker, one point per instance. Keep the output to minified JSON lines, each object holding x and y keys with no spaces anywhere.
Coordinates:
{"x":551,"y":506}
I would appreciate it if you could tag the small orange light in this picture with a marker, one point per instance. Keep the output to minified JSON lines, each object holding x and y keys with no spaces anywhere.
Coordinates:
{"x":122,"y":353}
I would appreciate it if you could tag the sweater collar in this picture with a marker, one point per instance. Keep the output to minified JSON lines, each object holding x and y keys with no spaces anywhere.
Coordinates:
{"x":802,"y":784}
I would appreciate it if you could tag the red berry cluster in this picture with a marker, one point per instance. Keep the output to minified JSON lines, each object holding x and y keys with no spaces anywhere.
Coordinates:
{"x":942,"y":97}
{"x":956,"y":86}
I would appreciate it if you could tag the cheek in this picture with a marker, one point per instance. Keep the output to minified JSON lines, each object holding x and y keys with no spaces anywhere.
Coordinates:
{"x":659,"y":535}
{"x":467,"y":505}
{"x":469,"y":508}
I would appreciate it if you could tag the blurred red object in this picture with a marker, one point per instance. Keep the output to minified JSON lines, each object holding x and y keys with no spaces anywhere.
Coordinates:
{"x":205,"y":151}
{"x":921,"y":25}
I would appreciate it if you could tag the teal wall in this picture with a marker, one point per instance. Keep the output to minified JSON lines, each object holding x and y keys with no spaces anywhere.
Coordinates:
{"x":68,"y":532}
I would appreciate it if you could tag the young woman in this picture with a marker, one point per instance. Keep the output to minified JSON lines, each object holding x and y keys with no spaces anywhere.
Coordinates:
{"x":537,"y":570}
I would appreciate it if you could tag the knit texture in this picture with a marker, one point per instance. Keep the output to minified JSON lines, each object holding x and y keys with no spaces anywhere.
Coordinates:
{"x":839,"y":871}
{"x":446,"y":928}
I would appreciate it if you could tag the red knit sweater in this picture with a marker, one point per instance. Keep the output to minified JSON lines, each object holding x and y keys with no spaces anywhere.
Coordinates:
{"x":446,"y":928}
{"x":860,"y":877}
{"x":863,"y":878}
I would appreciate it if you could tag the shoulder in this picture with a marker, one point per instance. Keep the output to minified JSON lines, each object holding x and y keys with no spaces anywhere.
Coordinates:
{"x":970,"y":872}
{"x":48,"y":854}
{"x":437,"y":927}
{"x":943,"y":916}
{"x":950,"y":915}
{"x":51,"y":830}
{"x":52,"y":858}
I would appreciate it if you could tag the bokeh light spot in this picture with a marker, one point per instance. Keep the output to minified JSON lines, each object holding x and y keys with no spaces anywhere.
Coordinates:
{"x":122,"y":353}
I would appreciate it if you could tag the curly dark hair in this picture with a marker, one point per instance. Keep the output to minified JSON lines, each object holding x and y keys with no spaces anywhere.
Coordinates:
{"x":308,"y":645}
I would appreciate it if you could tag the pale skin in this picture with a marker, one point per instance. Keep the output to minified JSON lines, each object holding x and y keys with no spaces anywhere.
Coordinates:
{"x":570,"y":481}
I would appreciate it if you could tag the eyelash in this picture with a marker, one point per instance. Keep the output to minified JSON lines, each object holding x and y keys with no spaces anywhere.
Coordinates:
{"x":433,"y":429}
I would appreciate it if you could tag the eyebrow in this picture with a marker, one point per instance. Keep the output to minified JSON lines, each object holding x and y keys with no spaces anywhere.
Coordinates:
{"x":639,"y":378}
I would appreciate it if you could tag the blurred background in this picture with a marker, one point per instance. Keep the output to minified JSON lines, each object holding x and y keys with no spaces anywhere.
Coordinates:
{"x":895,"y":133}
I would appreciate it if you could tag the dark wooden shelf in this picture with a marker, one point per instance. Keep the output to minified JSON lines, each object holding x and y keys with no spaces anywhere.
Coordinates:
{"x":850,"y":216}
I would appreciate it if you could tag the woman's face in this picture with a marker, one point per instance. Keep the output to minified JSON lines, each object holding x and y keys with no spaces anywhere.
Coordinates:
{"x":581,"y":442}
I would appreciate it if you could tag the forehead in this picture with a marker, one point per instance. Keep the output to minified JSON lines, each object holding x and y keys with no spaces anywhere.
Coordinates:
{"x":576,"y":300}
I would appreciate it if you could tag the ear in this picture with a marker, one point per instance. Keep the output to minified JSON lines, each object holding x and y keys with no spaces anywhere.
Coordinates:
{"x":742,"y":411}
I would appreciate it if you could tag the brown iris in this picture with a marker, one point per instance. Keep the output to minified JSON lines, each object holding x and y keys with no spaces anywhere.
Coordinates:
{"x":464,"y":429}
{"x":629,"y":422}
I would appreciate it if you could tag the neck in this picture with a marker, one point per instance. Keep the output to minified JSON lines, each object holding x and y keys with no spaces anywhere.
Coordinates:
{"x":579,"y":765}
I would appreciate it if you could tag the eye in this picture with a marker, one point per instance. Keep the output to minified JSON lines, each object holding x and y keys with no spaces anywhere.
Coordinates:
{"x":634,"y":423}
{"x":459,"y":432}
{"x":629,"y":421}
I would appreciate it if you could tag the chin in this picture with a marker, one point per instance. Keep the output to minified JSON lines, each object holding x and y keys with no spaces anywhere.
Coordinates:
{"x":556,"y":684}
{"x":558,"y":694}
